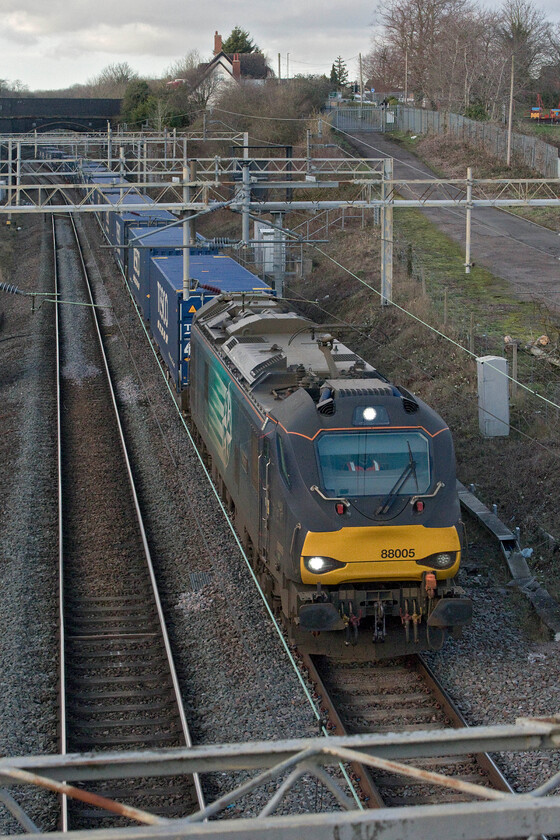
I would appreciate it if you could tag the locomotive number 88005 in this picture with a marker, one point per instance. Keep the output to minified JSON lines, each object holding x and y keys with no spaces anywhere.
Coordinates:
{"x":343,"y":484}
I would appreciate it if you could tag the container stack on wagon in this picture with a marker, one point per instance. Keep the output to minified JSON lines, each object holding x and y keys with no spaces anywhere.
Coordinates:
{"x":171,"y":316}
{"x":148,"y":247}
{"x":146,"y":243}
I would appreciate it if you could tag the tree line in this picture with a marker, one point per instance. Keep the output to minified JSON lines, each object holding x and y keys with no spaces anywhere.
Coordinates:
{"x":454,"y":55}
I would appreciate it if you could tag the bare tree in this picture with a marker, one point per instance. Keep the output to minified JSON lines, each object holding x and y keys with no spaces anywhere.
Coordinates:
{"x":528,"y":36}
{"x":113,"y":79}
{"x":180,"y":68}
{"x":14,"y":88}
{"x":413,"y":28}
{"x":459,"y":55}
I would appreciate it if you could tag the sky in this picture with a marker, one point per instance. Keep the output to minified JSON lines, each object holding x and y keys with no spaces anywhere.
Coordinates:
{"x":50,"y":44}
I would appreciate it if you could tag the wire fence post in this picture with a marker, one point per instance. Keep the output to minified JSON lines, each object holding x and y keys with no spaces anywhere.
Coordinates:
{"x":387,"y":234}
{"x":514,"y":370}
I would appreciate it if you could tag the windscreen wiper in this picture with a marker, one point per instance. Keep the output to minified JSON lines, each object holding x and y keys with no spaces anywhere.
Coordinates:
{"x":410,"y":469}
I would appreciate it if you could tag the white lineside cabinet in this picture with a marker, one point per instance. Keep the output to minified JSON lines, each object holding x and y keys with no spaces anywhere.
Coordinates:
{"x":270,"y":248}
{"x":493,"y":396}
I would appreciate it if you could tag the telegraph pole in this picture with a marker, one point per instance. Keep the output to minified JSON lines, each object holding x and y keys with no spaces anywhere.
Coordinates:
{"x":186,"y":236}
{"x":361,"y":86}
{"x":406,"y":77}
{"x":510,"y":116}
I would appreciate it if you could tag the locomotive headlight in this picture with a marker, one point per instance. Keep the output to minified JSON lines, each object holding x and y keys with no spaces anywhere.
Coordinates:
{"x":370,"y":415}
{"x":321,"y":565}
{"x":442,"y":560}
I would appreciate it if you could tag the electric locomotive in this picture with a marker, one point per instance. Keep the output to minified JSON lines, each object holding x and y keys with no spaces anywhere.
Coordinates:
{"x":343,"y":484}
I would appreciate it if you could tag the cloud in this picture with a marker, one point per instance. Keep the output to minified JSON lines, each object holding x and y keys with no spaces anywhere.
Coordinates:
{"x":130,"y":39}
{"x":52,"y":43}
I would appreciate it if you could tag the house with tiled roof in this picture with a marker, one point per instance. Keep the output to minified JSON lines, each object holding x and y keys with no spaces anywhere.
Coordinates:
{"x":228,"y":68}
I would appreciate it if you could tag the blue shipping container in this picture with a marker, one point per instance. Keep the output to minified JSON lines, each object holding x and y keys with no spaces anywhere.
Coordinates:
{"x":171,"y":317}
{"x":108,"y":220}
{"x":166,"y":242}
{"x":124,"y":222}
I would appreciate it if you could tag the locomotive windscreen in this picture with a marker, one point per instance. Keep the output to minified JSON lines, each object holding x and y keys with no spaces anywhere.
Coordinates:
{"x":372,"y":463}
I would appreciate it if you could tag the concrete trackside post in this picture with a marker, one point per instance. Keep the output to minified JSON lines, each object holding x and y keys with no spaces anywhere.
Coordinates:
{"x":387,"y":234}
{"x":493,"y":396}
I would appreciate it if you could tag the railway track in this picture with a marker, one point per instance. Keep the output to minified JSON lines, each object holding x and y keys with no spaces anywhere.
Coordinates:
{"x":118,"y":686}
{"x":390,"y":696}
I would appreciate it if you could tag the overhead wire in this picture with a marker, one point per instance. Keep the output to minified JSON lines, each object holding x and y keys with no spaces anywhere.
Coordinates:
{"x":414,"y":364}
{"x":457,"y":344}
{"x":424,"y":323}
{"x":433,"y":329}
{"x":451,"y":210}
{"x":261,"y":117}
{"x":458,"y":213}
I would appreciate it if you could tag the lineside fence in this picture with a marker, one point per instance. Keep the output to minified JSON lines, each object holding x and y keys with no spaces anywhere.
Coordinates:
{"x":534,"y":152}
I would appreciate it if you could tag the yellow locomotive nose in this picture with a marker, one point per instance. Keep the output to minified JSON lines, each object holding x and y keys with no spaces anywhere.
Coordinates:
{"x":395,"y":553}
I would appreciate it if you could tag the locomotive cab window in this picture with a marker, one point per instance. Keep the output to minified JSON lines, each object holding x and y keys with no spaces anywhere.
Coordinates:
{"x":371,"y":463}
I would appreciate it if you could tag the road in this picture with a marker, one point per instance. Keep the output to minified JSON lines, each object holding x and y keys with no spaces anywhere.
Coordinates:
{"x":522,"y":253}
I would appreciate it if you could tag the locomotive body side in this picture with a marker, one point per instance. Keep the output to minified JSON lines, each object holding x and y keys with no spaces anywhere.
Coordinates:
{"x":230,"y":427}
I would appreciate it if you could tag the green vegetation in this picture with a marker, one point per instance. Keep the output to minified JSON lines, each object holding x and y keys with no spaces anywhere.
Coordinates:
{"x":487,"y":298}
{"x":137,"y":103}
{"x":239,"y":41}
{"x":544,"y":131}
{"x":339,"y":74}
{"x":548,"y":217}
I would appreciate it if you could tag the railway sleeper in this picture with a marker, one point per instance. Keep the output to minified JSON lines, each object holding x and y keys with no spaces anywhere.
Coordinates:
{"x":116,"y":660}
{"x":125,"y":723}
{"x":81,"y":744}
{"x":144,"y":679}
{"x":88,"y":712}
{"x":79,"y":695}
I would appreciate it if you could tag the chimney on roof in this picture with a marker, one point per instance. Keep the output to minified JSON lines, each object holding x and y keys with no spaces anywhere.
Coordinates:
{"x":236,"y":67}
{"x":217,"y":43}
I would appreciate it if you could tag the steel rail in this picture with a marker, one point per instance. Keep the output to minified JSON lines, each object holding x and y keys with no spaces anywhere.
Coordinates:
{"x":496,"y":776}
{"x":484,"y":760}
{"x":147,"y":553}
{"x":149,"y":565}
{"x":62,"y":661}
{"x":366,"y":781}
{"x":361,"y":774}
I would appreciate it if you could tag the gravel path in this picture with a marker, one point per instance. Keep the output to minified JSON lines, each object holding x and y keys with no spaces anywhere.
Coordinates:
{"x":523,"y":254}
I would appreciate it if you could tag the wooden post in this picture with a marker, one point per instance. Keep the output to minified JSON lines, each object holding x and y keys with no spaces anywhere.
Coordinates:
{"x":510,"y":112}
{"x":514,"y":370}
